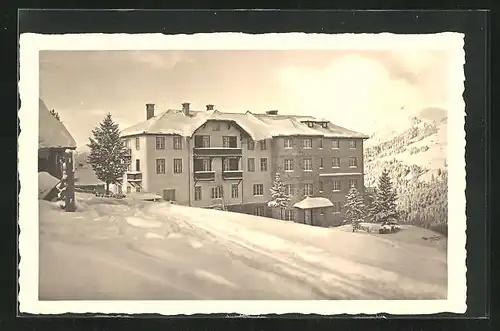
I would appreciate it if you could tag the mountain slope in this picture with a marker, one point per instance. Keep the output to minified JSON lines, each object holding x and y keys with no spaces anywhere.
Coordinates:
{"x":415,"y":156}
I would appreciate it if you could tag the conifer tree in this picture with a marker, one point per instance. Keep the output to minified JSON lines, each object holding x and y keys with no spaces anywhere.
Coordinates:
{"x":107,"y":152}
{"x":354,"y":208}
{"x":384,"y":203}
{"x":279,"y":198}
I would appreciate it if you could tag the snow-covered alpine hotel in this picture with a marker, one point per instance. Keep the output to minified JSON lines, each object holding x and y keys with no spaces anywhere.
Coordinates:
{"x":216,"y":159}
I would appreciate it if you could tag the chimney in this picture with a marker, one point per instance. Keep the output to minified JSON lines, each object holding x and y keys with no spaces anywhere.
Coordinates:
{"x":185,"y":108}
{"x":272,"y":112}
{"x":150,"y":110}
{"x":210,"y":107}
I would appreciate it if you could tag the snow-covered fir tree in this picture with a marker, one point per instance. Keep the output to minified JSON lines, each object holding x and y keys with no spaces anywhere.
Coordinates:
{"x":108,"y":154}
{"x":383,"y":207}
{"x":279,"y":198}
{"x":354,"y":208}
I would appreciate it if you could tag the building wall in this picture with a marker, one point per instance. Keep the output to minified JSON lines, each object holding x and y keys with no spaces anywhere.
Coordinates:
{"x":157,"y":183}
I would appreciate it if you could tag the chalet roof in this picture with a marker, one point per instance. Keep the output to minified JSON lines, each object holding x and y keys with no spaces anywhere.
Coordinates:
{"x":85,"y":176}
{"x":52,"y":133}
{"x":257,"y":126}
{"x":310,"y":202}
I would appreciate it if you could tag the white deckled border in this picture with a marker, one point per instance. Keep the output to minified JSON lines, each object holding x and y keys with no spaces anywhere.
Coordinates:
{"x":31,"y":44}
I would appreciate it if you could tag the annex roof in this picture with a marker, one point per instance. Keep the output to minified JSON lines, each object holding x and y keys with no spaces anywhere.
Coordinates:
{"x":316,"y":202}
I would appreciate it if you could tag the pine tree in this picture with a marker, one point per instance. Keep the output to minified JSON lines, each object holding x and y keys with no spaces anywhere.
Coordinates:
{"x":354,"y":208}
{"x":384,"y":203}
{"x":278,"y":195}
{"x":107,"y":152}
{"x":55,"y":114}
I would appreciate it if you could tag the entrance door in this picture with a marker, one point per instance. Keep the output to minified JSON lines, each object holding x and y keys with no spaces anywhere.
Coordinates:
{"x":308,"y":216}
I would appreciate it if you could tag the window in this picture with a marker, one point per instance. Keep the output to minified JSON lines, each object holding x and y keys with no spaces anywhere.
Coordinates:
{"x":138,"y":189}
{"x":258,"y":211}
{"x":169,"y":195}
{"x":263,"y":145}
{"x":217,"y":192}
{"x":352,"y":144}
{"x":178,"y":143}
{"x":320,"y":186}
{"x":234,"y":191}
{"x":129,"y":167}
{"x":126,"y":143}
{"x":160,"y":142}
{"x":288,"y":165}
{"x":207,"y":165}
{"x":289,"y":189}
{"x":160,"y":166}
{"x":197,"y":193}
{"x":353,"y":162}
{"x":289,"y":215}
{"x":129,"y":189}
{"x":258,"y":189}
{"x":307,"y":164}
{"x":263,"y":164}
{"x":320,"y":142}
{"x":336,"y":185}
{"x":229,"y":142}
{"x":137,"y":165}
{"x":335,"y":144}
{"x":251,"y":145}
{"x":288,"y":143}
{"x":306,"y":143}
{"x":137,"y":143}
{"x":216,"y":127}
{"x":230,"y":164}
{"x":177,"y":166}
{"x":308,"y":189}
{"x":202,"y":141}
{"x":324,"y":125}
{"x":251,"y":164}
{"x":321,"y":163}
{"x":353,"y":183}
{"x":322,"y":211}
{"x":310,"y":124}
{"x":336,"y":207}
{"x":336,"y":162}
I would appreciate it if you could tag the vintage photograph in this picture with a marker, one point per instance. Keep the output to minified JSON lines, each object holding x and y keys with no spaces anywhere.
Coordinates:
{"x":248,"y":174}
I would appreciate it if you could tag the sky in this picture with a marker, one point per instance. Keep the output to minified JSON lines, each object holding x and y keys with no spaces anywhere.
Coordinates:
{"x":359,"y":89}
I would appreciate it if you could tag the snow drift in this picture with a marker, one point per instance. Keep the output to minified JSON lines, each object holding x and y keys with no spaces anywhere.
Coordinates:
{"x":136,"y":250}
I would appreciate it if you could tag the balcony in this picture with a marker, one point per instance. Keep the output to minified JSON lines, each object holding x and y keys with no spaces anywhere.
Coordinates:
{"x":216,"y":151}
{"x":232,"y":174}
{"x":129,"y":152}
{"x":204,"y":175}
{"x":134,"y":176}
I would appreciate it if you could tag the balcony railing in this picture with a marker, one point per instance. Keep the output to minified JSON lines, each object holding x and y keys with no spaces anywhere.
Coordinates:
{"x":232,"y":174}
{"x":129,"y":152}
{"x":216,"y":151}
{"x":134,"y":176}
{"x":204,"y":175}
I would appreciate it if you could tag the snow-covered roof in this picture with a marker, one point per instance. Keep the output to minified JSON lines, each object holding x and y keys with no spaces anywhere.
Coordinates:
{"x":257,"y":126}
{"x":52,"y":133}
{"x":309,"y":202}
{"x":86,"y":176}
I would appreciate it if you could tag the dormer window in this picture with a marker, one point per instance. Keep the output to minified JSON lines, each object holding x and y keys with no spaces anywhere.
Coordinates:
{"x":310,"y":124}
{"x":324,"y":125}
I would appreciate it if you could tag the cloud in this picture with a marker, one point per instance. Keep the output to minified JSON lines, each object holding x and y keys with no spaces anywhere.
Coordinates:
{"x":160,"y":59}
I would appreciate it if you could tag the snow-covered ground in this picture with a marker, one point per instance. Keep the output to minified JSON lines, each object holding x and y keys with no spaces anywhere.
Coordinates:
{"x":124,"y":249}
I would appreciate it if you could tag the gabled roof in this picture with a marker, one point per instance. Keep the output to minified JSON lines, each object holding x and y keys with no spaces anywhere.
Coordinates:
{"x":257,"y":126}
{"x":52,"y":133}
{"x":308,"y":203}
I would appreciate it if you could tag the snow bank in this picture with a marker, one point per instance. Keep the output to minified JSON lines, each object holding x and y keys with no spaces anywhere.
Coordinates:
{"x":96,"y":253}
{"x":46,"y":182}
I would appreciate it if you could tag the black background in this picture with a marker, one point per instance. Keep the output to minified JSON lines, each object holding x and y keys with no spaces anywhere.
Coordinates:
{"x":473,"y":23}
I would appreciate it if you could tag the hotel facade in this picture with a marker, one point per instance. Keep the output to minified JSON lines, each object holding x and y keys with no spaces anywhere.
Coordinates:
{"x":216,"y":159}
